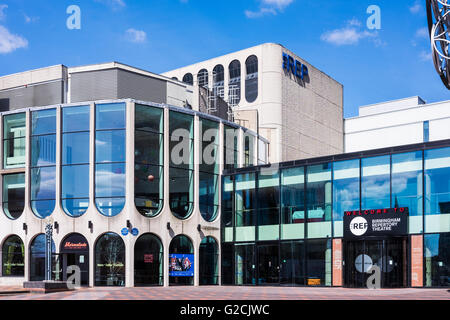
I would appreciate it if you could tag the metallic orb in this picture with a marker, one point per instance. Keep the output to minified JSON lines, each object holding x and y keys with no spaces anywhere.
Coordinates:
{"x":438,"y":12}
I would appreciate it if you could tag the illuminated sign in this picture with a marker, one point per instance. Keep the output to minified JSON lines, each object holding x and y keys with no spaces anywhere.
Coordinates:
{"x":181,"y":265}
{"x":295,"y":67}
{"x":376,"y":222}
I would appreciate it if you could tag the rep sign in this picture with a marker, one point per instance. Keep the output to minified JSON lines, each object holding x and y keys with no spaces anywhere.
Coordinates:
{"x":295,"y":67}
{"x":378,"y":222}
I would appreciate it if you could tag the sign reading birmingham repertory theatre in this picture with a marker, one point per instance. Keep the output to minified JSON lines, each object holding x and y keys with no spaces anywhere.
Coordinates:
{"x":378,"y":222}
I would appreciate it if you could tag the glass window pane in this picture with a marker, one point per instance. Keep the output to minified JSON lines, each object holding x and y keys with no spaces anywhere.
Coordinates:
{"x":149,"y":118}
{"x":437,"y":190}
{"x":407,"y":187}
{"x":43,"y":122}
{"x":208,"y":195}
{"x":110,"y":146}
{"x":13,"y":195}
{"x":268,"y":205}
{"x":345,"y":192}
{"x":148,"y":261}
{"x":181,"y":192}
{"x":75,"y":181}
{"x":14,"y":126}
{"x":14,"y":131}
{"x":75,"y":148}
{"x":43,"y":208}
{"x":251,"y":79}
{"x":148,"y":189}
{"x":43,"y":182}
{"x":110,"y":207}
{"x":437,"y":260}
{"x":245,"y":207}
{"x":149,"y":148}
{"x":13,"y":257}
{"x":318,"y":262}
{"x":110,"y":260}
{"x":293,"y":203}
{"x":110,"y":116}
{"x":75,"y":207}
{"x":375,"y":183}
{"x":179,"y":122}
{"x":37,"y":258}
{"x":227,"y":209}
{"x":75,"y":119}
{"x":318,"y":194}
{"x":110,"y":180}
{"x":43,"y":150}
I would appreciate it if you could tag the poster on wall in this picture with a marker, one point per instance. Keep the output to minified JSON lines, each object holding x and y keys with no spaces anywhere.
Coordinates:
{"x":376,"y":222}
{"x":181,"y":265}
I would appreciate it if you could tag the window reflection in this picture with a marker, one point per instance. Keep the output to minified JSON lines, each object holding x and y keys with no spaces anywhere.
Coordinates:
{"x":375,"y":183}
{"x":110,"y":156}
{"x":234,"y":84}
{"x":293,"y":203}
{"x":43,"y":162}
{"x":14,"y":140}
{"x":251,"y":79}
{"x":13,"y":257}
{"x":13,"y":195}
{"x":75,"y":160}
{"x":110,"y":261}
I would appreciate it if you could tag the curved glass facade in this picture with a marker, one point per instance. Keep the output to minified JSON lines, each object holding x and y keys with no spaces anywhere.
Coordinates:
{"x":13,"y":257}
{"x":37,"y":259}
{"x":149,"y":160}
{"x":209,"y":262}
{"x":110,"y":155}
{"x":209,"y":170}
{"x":13,"y":195}
{"x":75,"y":160}
{"x":43,"y":162}
{"x":181,"y":171}
{"x":110,"y":261}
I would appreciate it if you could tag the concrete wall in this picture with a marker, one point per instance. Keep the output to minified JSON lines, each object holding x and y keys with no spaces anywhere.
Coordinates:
{"x":395,"y":128}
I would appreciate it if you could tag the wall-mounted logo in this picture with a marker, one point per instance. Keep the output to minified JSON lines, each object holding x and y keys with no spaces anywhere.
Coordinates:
{"x":358,"y":226}
{"x":295,"y":67}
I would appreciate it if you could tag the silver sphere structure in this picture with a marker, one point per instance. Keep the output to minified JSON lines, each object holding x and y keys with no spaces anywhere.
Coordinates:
{"x":438,"y":12}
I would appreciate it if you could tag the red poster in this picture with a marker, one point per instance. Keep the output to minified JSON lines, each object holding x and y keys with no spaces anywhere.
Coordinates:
{"x":337,"y":262}
{"x":148,"y":258}
{"x":416,"y":261}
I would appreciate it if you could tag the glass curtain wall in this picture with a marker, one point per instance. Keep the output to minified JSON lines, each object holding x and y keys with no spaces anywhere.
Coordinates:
{"x":75,"y":160}
{"x":14,"y":132}
{"x":13,"y":195}
{"x":149,"y":160}
{"x":148,"y":261}
{"x":245,"y":207}
{"x":268,"y":205}
{"x":227,"y":209}
{"x":110,"y":157}
{"x":437,"y":190}
{"x":437,"y":260}
{"x":346,"y":176}
{"x":293,"y":203}
{"x":376,"y":183}
{"x":209,"y":262}
{"x":407,"y":187}
{"x":230,"y":147}
{"x":181,"y":171}
{"x":318,"y":199}
{"x":43,"y":162}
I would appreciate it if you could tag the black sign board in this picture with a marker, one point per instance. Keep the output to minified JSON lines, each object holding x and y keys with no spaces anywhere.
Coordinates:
{"x":360,"y":224}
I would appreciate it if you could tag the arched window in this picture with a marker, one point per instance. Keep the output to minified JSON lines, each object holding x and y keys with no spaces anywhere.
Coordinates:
{"x":75,"y":160}
{"x":37,"y":259}
{"x":209,"y":170}
{"x":148,"y":261}
{"x":13,"y":257}
{"x":209,"y":262}
{"x":110,"y":261}
{"x":218,"y":80}
{"x":110,"y":147}
{"x":175,"y":78}
{"x":188,"y":78}
{"x":74,"y":250}
{"x":181,"y":171}
{"x":251,"y":79}
{"x":149,"y":160}
{"x":43,"y":162}
{"x":234,"y":84}
{"x":13,"y":195}
{"x":181,"y":261}
{"x":203,"y":78}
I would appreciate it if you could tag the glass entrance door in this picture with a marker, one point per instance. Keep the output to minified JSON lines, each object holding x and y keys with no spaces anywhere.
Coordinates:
{"x":269,"y":264}
{"x":388,"y":254}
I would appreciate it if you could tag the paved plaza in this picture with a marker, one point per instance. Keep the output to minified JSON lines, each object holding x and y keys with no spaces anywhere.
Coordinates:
{"x":229,"y":293}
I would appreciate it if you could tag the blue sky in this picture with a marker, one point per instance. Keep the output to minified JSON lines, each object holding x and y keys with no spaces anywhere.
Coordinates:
{"x":160,"y":35}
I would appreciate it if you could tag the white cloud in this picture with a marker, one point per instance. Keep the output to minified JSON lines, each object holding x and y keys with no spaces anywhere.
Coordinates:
{"x":422,"y":33}
{"x":10,"y":42}
{"x":355,"y":22}
{"x":114,"y":4}
{"x":29,"y":19}
{"x":136,"y":36}
{"x":425,"y":56}
{"x":416,"y":8}
{"x":2,"y":13}
{"x":268,"y":7}
{"x":347,"y":36}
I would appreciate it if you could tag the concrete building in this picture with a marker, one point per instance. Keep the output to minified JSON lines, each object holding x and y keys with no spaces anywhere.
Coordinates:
{"x":396,"y":123}
{"x":274,"y":92}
